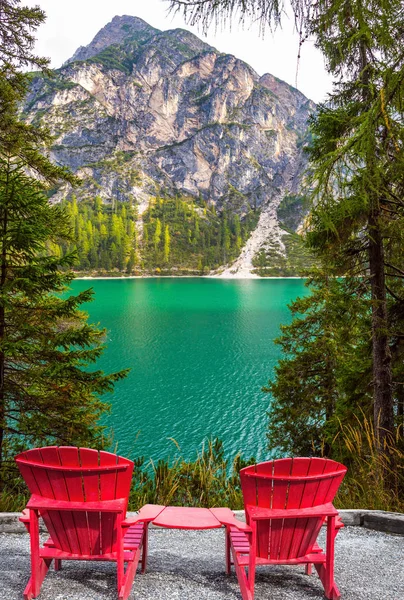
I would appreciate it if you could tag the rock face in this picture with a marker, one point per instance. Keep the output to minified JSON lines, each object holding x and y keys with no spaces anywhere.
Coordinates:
{"x":115,"y":32}
{"x":139,"y":110}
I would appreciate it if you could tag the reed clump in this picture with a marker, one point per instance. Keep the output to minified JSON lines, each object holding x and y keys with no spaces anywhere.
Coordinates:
{"x":375,"y":480}
{"x":207,"y":481}
{"x":11,"y":501}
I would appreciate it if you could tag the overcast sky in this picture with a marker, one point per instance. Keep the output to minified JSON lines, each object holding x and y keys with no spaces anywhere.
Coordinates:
{"x":74,"y":23}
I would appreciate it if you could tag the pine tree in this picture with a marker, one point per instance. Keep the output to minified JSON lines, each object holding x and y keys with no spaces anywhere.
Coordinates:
{"x":357,"y":158}
{"x":47,"y":393}
{"x":131,"y":262}
{"x":324,"y":375}
{"x":157,"y":235}
{"x":166,"y":243}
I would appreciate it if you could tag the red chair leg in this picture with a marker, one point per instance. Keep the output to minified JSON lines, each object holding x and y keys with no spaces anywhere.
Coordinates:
{"x":128,"y":578}
{"x":39,"y":566}
{"x":227,"y":551}
{"x":247,"y":591}
{"x":331,"y":590}
{"x":326,"y":572}
{"x":145,"y":547}
{"x":120,"y":557}
{"x":309,"y":569}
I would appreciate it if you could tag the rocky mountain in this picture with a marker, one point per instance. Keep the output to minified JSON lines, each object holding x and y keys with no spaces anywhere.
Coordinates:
{"x":141,"y":112}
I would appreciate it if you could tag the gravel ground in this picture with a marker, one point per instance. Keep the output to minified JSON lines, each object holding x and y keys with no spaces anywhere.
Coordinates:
{"x":189,"y":565}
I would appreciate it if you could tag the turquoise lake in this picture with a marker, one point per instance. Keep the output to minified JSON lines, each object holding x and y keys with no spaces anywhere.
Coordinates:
{"x":199,"y":351}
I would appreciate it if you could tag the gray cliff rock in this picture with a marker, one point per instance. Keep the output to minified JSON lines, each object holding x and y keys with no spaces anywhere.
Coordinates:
{"x":116,"y":32}
{"x":140,"y":110}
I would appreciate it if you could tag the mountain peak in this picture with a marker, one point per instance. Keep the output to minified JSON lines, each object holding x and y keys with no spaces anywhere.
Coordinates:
{"x":115,"y":32}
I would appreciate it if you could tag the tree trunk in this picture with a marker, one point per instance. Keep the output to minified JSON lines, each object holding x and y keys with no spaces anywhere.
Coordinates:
{"x":2,"y":361}
{"x":2,"y":401}
{"x":382,"y":376}
{"x":400,"y":406}
{"x":3,"y":277}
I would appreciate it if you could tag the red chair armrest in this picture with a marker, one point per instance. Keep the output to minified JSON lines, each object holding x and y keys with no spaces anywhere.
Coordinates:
{"x":146,"y":514}
{"x":338,"y":523}
{"x":24,"y":518}
{"x":40,"y":503}
{"x":324,"y":510}
{"x":226,"y":517}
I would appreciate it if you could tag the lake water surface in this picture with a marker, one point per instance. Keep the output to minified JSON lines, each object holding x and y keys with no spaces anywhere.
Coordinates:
{"x":199,"y":351}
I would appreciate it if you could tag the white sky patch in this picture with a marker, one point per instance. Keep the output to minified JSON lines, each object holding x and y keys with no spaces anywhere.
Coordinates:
{"x":74,"y":23}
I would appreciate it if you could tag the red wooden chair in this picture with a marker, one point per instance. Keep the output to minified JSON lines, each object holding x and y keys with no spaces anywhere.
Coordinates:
{"x":286,"y":502}
{"x":82,"y":497}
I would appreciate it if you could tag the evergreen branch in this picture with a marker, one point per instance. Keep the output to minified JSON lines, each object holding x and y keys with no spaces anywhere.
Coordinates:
{"x":394,"y":268}
{"x":394,"y":203}
{"x":387,"y":210}
{"x":393,"y":295}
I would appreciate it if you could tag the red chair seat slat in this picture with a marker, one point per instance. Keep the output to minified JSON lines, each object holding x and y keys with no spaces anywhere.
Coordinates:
{"x":134,"y":537}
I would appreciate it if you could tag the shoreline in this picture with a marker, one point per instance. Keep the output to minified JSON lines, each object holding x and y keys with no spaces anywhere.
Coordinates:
{"x":229,"y":278}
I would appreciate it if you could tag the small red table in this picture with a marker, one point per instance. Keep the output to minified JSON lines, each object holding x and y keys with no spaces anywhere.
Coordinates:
{"x":185,"y":517}
{"x":181,"y":517}
{"x":178,"y":517}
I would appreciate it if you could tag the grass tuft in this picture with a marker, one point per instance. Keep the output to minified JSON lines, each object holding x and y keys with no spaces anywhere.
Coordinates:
{"x":374,"y":481}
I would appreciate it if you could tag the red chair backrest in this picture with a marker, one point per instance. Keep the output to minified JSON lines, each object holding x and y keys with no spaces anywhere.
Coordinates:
{"x":79,"y":475}
{"x":289,"y":483}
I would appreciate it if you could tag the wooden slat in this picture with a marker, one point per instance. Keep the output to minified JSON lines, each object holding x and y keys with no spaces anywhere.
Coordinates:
{"x":226,"y":517}
{"x":292,"y":477}
{"x":69,"y":457}
{"x":124,"y":478}
{"x":114,"y":506}
{"x":279,"y":500}
{"x":26,"y":472}
{"x":89,"y":458}
{"x":316,"y":468}
{"x":322,"y":511}
{"x":51,"y":456}
{"x":309,"y":558}
{"x":310,"y":536}
{"x":52,"y":520}
{"x":280,"y":493}
{"x":335,"y":482}
{"x":29,"y":477}
{"x":249,"y":488}
{"x":302,"y":467}
{"x":60,"y":554}
{"x":292,"y":531}
{"x":324,"y":485}
{"x":310,"y":528}
{"x":107,"y":492}
{"x":77,"y":469}
{"x":264,"y":483}
{"x":134,"y":536}
{"x":240,"y":542}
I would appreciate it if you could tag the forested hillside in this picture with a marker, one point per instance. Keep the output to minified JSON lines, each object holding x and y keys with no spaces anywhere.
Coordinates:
{"x":175,"y":235}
